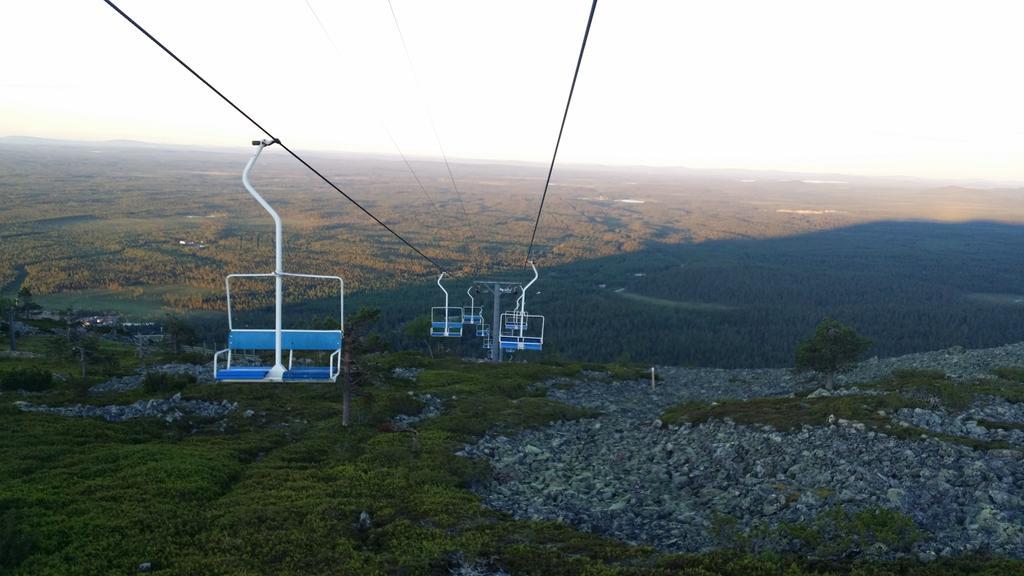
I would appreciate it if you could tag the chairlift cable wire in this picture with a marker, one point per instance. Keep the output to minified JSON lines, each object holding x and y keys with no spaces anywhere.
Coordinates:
{"x":269,"y":135}
{"x":398,"y":149}
{"x":437,"y":209}
{"x":430,"y":116}
{"x":572,"y":88}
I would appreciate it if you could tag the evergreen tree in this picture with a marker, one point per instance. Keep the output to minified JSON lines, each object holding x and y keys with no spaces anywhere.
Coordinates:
{"x":13,"y":307}
{"x":417,"y":330}
{"x":832,"y":349}
{"x":179,"y":332}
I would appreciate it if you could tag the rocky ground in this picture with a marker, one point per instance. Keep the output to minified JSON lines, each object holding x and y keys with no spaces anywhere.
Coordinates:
{"x":170,"y":410}
{"x":627,"y":475}
{"x":993,"y":420}
{"x":432,"y":406}
{"x":202,"y":373}
{"x":956,"y":362}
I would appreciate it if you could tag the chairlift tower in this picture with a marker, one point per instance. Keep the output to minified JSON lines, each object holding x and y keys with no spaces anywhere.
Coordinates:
{"x":497,"y":288}
{"x":515,"y":330}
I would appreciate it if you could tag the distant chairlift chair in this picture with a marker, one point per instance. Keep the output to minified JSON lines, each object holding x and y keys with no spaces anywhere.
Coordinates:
{"x":520,"y":330}
{"x":278,"y":339}
{"x":472,"y":314}
{"x":445,"y":321}
{"x":484,"y":332}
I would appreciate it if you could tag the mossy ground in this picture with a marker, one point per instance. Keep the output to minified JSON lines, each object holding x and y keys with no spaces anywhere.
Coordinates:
{"x":281,"y":492}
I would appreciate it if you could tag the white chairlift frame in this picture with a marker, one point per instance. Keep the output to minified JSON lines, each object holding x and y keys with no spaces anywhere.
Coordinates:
{"x":446,"y":315}
{"x":335,"y":359}
{"x":519,"y":321}
{"x":276,"y":372}
{"x":475,"y":313}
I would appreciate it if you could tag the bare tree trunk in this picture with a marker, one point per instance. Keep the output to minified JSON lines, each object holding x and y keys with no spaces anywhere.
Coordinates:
{"x":429,"y":350}
{"x":81,"y":359}
{"x":10,"y":328}
{"x":346,"y":394}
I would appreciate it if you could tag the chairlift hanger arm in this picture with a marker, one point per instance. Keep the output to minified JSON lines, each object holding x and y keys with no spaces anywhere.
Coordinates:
{"x":442,"y":288}
{"x":535,"y":275}
{"x":278,"y":227}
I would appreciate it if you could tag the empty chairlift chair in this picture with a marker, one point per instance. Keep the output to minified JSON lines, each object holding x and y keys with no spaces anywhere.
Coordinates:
{"x":483,"y":331}
{"x":472,"y":314}
{"x":513,"y":319}
{"x":277,"y":339}
{"x":520,"y":330}
{"x":445,"y":321}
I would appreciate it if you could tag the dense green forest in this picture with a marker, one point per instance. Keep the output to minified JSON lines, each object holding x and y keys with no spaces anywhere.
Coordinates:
{"x":910,"y":286}
{"x":661,"y":266}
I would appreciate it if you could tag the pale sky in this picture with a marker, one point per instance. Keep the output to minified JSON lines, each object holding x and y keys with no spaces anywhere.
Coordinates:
{"x":927,"y":88}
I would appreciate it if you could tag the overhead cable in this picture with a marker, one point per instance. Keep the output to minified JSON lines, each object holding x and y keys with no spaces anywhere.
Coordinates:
{"x":398,"y":149}
{"x":271,"y":136}
{"x":565,"y":115}
{"x":430,"y":117}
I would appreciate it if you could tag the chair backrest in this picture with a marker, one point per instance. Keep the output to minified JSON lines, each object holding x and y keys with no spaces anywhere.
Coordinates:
{"x":290,"y":339}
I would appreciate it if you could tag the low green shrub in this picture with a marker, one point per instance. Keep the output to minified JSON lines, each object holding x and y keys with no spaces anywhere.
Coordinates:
{"x":834,"y":534}
{"x":838,"y":531}
{"x":958,"y":395}
{"x":29,"y":378}
{"x":191,"y":357}
{"x":911,"y":374}
{"x":1014,"y":373}
{"x":15,"y":543}
{"x":156,"y":382}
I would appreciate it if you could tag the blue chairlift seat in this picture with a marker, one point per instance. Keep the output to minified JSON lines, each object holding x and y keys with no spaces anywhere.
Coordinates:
{"x":521,"y":331}
{"x":446,"y":322}
{"x":454,"y":329}
{"x":521,"y":343}
{"x":472,"y":315}
{"x":292,"y":341}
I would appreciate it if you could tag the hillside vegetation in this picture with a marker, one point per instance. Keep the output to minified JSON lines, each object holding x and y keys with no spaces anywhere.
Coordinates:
{"x":279,"y":487}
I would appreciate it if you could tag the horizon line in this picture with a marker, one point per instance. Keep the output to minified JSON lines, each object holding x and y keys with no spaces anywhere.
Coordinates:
{"x":129,"y":142}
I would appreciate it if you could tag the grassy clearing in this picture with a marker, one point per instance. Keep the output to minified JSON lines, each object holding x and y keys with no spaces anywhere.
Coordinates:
{"x":281,"y":492}
{"x":676,"y":304}
{"x":149,"y":304}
